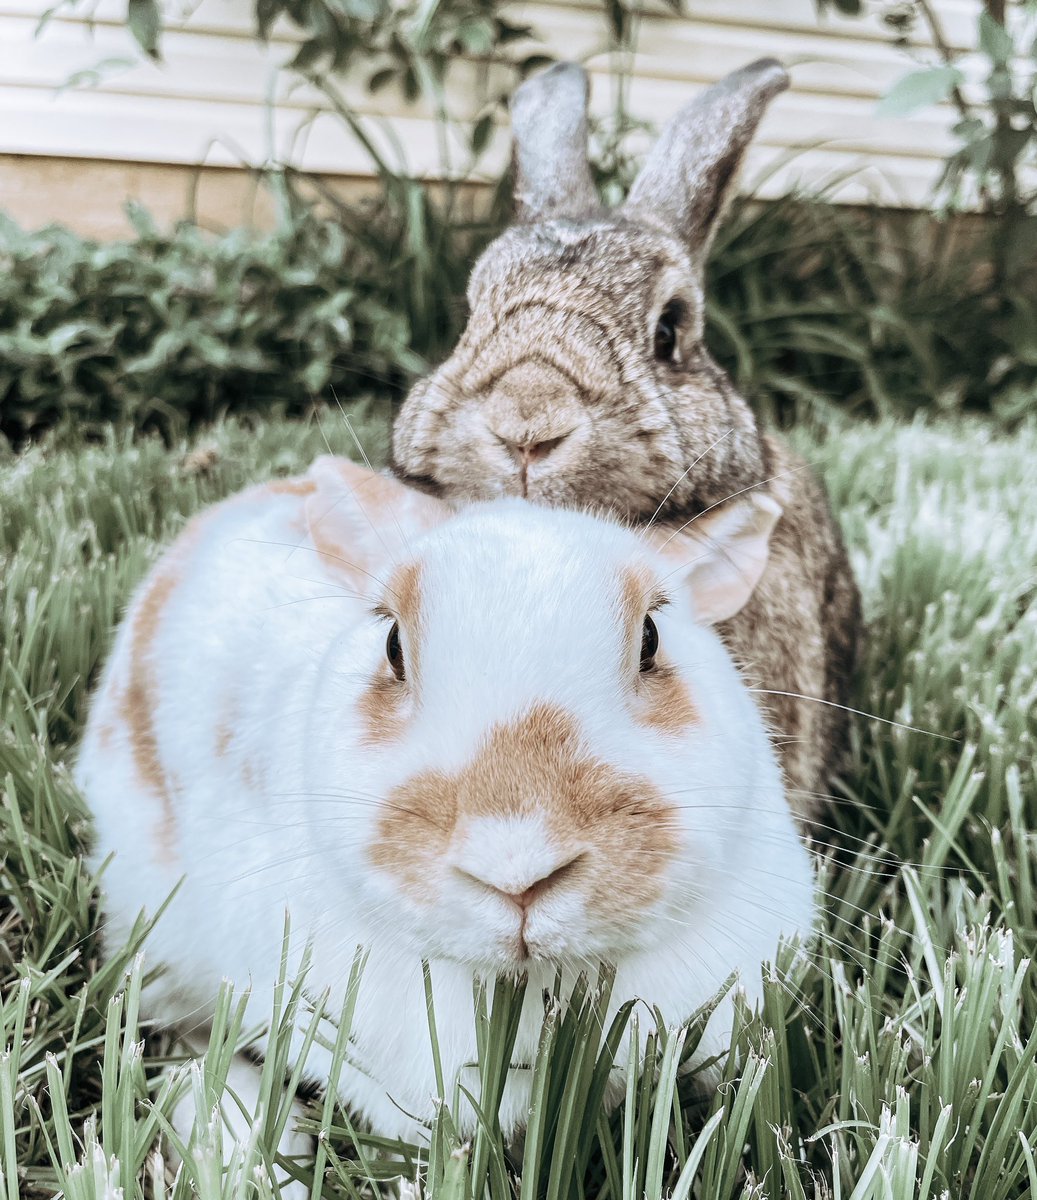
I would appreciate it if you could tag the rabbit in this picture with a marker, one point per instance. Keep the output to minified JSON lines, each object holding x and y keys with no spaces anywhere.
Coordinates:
{"x":503,"y":739}
{"x":582,"y":378}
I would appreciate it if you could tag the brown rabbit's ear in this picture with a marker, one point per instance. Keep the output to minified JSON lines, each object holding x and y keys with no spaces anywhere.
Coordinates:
{"x":689,"y":177}
{"x":362,"y":522}
{"x":721,"y":556}
{"x":549,"y":125}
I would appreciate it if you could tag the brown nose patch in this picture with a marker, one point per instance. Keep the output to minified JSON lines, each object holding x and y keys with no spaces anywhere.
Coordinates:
{"x":537,"y":765}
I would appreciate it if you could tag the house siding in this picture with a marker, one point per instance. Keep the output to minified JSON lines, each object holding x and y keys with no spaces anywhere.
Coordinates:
{"x":222,"y":99}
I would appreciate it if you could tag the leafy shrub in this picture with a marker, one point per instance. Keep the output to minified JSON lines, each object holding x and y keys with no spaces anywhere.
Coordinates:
{"x":815,"y":311}
{"x":169,"y":330}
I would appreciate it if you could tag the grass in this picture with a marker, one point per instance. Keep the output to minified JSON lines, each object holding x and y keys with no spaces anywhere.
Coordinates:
{"x":899,"y":1059}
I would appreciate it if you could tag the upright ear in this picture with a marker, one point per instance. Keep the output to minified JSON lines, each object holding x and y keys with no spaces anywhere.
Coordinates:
{"x":689,"y":177}
{"x":362,"y":522}
{"x":549,"y":125}
{"x":721,"y":555}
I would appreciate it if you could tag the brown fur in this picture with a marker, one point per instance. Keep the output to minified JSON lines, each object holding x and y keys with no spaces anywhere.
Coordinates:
{"x":383,"y":701}
{"x":139,"y":697}
{"x":380,"y":708}
{"x":405,"y":589}
{"x":558,"y":354}
{"x":620,"y":823}
{"x":662,"y":701}
{"x":668,"y":706}
{"x":291,"y":487}
{"x":137,"y":707}
{"x":636,"y":598}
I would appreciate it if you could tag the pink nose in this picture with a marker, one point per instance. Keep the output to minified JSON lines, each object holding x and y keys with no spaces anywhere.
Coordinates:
{"x":528,"y":452}
{"x":524,"y":897}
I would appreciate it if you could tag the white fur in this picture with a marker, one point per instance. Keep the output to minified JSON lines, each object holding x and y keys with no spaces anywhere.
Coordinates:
{"x":520,"y":606}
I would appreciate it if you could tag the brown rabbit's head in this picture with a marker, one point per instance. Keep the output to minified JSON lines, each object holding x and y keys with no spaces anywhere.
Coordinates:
{"x":582,"y":376}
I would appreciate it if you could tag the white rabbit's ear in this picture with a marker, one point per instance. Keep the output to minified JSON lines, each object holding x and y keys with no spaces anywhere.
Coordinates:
{"x":689,"y":177}
{"x":362,"y":522}
{"x":549,"y":125}
{"x":720,"y":556}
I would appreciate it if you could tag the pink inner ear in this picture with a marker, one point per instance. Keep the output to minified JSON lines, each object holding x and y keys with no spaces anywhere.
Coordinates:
{"x":721,"y":557}
{"x":363,"y":522}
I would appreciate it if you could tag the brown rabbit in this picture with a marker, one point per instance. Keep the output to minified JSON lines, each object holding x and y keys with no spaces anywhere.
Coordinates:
{"x":582,"y":379}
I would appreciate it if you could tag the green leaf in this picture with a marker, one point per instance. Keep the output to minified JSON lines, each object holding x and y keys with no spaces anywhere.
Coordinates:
{"x":476,"y":36}
{"x":91,"y":77}
{"x":994,"y":40}
{"x":267,"y":12}
{"x":381,"y":79}
{"x":535,"y":62}
{"x":309,"y":54}
{"x":482,"y":131}
{"x":919,"y":90}
{"x":145,"y":22}
{"x":506,"y":33}
{"x":849,"y":8}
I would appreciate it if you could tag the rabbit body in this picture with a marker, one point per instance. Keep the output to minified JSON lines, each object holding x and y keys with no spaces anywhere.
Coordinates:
{"x":523,"y":795}
{"x":582,"y":379}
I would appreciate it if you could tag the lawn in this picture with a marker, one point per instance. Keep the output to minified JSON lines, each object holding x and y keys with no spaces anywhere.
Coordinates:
{"x":898,"y":1059}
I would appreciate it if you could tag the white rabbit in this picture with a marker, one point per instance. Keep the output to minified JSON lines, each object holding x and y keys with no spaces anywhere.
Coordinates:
{"x":502,"y":740}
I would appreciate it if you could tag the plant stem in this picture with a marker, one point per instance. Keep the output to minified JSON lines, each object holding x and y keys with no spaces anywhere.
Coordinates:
{"x":946,"y":53}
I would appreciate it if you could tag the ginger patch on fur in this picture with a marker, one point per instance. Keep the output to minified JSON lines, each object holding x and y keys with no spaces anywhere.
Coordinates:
{"x":380,"y":707}
{"x":382,"y":702}
{"x":137,"y":707}
{"x":538,"y":764}
{"x":664,"y":702}
{"x":291,"y":487}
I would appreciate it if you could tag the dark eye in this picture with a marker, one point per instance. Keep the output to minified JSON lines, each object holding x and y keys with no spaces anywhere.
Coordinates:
{"x":666,"y":331}
{"x":394,"y":651}
{"x":649,"y":644}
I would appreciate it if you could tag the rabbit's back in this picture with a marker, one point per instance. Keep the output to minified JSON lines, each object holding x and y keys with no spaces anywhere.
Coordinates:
{"x":176,"y":758}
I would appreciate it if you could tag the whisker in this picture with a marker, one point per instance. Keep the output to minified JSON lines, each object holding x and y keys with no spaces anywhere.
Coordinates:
{"x":367,"y":463}
{"x":685,"y":474}
{"x":855,"y":711}
{"x":320,"y":553}
{"x":741,"y":492}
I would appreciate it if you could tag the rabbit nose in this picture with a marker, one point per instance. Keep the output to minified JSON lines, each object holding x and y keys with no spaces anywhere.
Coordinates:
{"x":523,"y":895}
{"x":531,"y":451}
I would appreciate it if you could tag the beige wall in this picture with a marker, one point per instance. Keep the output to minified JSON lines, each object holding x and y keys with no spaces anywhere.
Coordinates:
{"x":90,"y":195}
{"x":222,"y":100}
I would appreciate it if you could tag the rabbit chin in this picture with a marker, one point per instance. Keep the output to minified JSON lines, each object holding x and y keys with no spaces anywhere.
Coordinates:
{"x":492,"y":935}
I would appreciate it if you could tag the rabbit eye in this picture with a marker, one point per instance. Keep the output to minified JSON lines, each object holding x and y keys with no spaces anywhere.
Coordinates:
{"x":394,"y":651}
{"x":649,"y":644}
{"x":666,"y":331}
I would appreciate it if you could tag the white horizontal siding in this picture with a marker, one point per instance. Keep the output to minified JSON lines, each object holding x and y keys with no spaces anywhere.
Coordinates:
{"x":221,"y":98}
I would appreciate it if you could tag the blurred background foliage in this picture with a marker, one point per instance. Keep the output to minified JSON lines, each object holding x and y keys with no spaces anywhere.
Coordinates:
{"x":816,"y":309}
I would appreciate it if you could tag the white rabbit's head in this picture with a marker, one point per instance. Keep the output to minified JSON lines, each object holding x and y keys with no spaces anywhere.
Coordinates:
{"x":561,"y":755}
